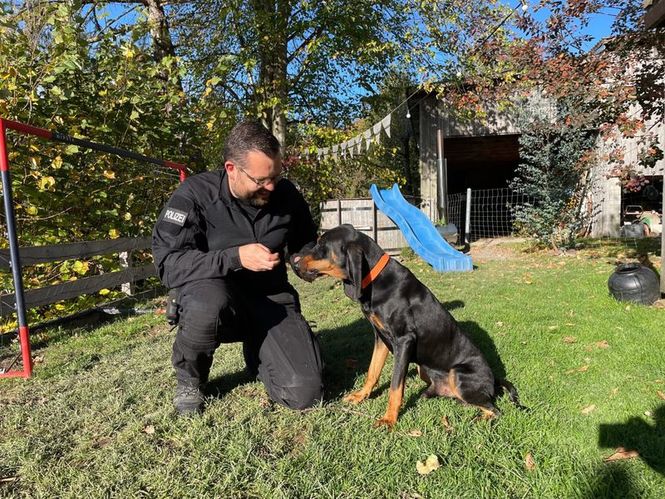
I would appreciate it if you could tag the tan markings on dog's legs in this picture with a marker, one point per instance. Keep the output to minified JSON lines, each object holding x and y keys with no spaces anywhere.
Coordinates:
{"x":487,"y":414}
{"x":452,"y":385}
{"x":374,"y":319}
{"x":373,"y":373}
{"x":394,"y":403}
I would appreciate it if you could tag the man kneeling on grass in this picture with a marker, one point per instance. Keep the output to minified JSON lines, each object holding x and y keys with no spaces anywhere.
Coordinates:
{"x":221,"y":242}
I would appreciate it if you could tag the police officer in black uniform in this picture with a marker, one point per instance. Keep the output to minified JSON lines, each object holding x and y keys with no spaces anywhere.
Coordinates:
{"x":222,"y":241}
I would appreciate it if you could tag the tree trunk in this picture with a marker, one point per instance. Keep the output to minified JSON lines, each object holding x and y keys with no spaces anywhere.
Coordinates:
{"x":159,"y":30}
{"x":272,"y":18}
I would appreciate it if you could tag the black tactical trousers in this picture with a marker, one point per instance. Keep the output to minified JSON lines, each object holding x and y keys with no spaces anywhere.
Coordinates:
{"x":277,"y":342}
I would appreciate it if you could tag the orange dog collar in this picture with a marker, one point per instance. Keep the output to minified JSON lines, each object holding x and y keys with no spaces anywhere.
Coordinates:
{"x":373,"y":274}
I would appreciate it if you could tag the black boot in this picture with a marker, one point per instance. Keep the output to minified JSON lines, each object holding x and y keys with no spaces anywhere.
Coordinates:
{"x":189,"y":399}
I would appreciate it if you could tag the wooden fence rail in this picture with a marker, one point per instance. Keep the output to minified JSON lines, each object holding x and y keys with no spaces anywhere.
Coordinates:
{"x":52,"y":253}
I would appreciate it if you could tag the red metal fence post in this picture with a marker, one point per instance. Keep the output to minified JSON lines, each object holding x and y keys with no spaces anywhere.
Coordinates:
{"x":24,"y":335}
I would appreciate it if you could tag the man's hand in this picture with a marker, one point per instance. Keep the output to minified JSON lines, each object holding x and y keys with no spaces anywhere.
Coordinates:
{"x":257,"y":257}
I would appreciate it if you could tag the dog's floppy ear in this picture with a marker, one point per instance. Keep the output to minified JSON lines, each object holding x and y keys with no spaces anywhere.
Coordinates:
{"x":355,"y":269}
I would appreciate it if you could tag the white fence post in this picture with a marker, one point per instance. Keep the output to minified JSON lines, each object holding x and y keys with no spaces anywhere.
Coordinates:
{"x":125,"y":263}
{"x":467,"y":224}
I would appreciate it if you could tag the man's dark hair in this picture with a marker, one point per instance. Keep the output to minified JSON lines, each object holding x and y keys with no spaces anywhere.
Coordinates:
{"x":248,"y":136}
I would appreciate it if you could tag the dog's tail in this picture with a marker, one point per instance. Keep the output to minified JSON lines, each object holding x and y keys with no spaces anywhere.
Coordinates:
{"x":509,"y":388}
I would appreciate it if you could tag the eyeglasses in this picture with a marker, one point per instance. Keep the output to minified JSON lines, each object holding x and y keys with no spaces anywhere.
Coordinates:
{"x":262,"y":182}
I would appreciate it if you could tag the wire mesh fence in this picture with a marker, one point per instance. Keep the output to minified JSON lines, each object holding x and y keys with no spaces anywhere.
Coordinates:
{"x":492,"y":211}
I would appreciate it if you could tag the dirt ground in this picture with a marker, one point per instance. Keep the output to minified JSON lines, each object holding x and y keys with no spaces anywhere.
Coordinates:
{"x":499,"y":248}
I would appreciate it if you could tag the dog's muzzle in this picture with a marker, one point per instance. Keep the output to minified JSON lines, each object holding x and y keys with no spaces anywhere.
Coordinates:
{"x":305,"y":274}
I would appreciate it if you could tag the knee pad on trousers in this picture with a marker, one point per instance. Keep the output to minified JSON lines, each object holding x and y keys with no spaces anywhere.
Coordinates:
{"x":298,"y":397}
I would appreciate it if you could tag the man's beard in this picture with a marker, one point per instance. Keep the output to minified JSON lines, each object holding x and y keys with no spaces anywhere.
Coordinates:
{"x":258,"y":199}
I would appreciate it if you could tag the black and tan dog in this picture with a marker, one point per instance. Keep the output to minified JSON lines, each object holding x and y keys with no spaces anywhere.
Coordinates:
{"x":408,"y":320}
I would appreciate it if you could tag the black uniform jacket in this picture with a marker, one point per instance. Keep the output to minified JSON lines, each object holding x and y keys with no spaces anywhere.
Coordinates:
{"x":198,"y":233}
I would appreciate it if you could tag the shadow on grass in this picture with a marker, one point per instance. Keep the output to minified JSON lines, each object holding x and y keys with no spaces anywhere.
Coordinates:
{"x":639,"y":435}
{"x":612,"y":481}
{"x":346,"y":354}
{"x":84,"y":322}
{"x":218,"y":387}
{"x":485,"y":343}
{"x":628,"y":247}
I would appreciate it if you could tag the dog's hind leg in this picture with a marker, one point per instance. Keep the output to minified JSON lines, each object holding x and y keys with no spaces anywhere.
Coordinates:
{"x":472,"y":389}
{"x":438,"y":384}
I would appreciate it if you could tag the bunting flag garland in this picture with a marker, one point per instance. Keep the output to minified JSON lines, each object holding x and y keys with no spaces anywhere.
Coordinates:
{"x":385,"y":124}
{"x":367,"y":134}
{"x":355,"y":145}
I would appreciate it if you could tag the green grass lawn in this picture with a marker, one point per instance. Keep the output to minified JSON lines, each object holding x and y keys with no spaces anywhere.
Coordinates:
{"x":96,"y":419}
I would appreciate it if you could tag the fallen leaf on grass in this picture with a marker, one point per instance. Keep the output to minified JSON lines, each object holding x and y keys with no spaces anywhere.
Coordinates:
{"x":552,"y":328}
{"x":150,"y":430}
{"x":589,"y":409}
{"x":569,"y":339}
{"x":582,"y":369}
{"x":529,"y":462}
{"x":415,"y":433}
{"x":620,"y":454}
{"x":102,"y":442}
{"x":602,"y":344}
{"x":661,"y":395}
{"x":446,"y":424}
{"x":38,"y":359}
{"x":615,"y":391}
{"x":430,"y":464}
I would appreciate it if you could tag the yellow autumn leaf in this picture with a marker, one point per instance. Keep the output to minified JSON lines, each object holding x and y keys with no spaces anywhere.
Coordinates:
{"x":104,"y":292}
{"x":32,"y":210}
{"x":57,"y":162}
{"x":45,"y":183}
{"x":128,"y":52}
{"x":109,"y":174}
{"x":80,"y":267}
{"x":430,"y":464}
{"x":127,"y":216}
{"x":114,"y":233}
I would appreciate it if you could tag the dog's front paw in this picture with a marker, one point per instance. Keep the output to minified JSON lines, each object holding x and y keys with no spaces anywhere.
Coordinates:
{"x":356,"y":397}
{"x":386,"y":421}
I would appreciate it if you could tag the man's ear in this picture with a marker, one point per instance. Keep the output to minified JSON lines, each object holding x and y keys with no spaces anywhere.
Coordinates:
{"x":355,"y":269}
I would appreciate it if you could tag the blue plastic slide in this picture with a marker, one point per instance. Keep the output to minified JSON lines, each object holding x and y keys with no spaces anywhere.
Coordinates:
{"x":419,"y":232}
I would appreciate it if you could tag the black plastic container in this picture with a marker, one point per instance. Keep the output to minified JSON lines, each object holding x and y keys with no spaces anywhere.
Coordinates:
{"x":635,"y":283}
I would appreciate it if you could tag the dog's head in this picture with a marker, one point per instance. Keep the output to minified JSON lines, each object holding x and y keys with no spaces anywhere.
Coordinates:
{"x":342,"y":253}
